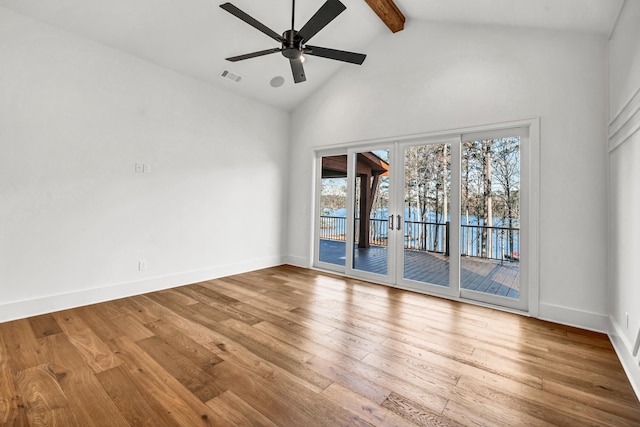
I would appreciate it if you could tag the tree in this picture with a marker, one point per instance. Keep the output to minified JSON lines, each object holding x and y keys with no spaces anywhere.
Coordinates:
{"x":506,"y":166}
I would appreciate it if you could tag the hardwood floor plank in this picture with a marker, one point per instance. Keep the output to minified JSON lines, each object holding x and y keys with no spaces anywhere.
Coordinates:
{"x":44,"y":325}
{"x":318,"y":345}
{"x":423,"y":362}
{"x":194,"y":330}
{"x":184,"y":407}
{"x":436,"y":389}
{"x":275,"y":352}
{"x":214,"y":309}
{"x":22,"y":346}
{"x":46,"y":404}
{"x":184,"y":345}
{"x":371,"y":412}
{"x":229,"y":350}
{"x":178,"y":297}
{"x":415,"y":412}
{"x":135,"y":308}
{"x":309,"y":327}
{"x":236,"y":412}
{"x":102,"y":326}
{"x":607,"y":404}
{"x":138,"y":406}
{"x":195,"y":379}
{"x":300,"y":405}
{"x":12,"y":410}
{"x":285,"y":350}
{"x":86,"y":397}
{"x":95,"y":352}
{"x":292,"y":320}
{"x":290,"y":346}
{"x":276,"y":406}
{"x":342,"y":375}
{"x":563,"y":412}
{"x":208,"y":319}
{"x":471,"y":410}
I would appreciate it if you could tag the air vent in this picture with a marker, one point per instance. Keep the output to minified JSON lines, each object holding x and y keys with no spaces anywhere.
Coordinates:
{"x":226,"y":74}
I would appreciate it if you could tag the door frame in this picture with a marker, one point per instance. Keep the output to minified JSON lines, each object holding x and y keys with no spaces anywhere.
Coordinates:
{"x":530,"y":215}
{"x":350,"y":270}
{"x":453,"y":290}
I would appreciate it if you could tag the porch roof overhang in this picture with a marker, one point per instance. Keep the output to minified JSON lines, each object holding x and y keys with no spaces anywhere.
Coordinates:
{"x":367,"y":164}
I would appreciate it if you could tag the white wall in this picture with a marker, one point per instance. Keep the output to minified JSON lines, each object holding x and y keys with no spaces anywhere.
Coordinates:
{"x":624,"y":181}
{"x":433,"y":77}
{"x":75,"y":218}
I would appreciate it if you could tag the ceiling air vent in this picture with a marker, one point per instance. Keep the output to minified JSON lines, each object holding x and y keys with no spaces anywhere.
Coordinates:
{"x":226,"y":74}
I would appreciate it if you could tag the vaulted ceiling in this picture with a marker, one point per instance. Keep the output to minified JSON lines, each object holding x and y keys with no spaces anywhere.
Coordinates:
{"x":193,"y":37}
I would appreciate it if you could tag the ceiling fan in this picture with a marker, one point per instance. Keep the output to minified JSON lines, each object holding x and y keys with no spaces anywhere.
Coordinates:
{"x":294,"y":43}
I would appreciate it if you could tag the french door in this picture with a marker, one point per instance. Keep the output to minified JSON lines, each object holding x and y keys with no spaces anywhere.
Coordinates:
{"x":444,"y":216}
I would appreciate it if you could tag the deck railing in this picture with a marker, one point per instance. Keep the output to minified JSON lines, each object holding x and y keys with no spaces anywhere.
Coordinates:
{"x":499,"y":243}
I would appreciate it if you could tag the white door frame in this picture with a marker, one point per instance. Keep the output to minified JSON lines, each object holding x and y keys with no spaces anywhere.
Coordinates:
{"x":530,"y":206}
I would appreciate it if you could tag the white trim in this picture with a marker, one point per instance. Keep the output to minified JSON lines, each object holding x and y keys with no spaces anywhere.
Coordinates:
{"x":56,"y":302}
{"x":572,"y":317}
{"x":350,"y":270}
{"x":533,"y":199}
{"x":453,"y":288}
{"x":426,"y":136}
{"x":297,"y":261}
{"x":533,"y":220}
{"x":626,"y":123}
{"x":629,"y":361}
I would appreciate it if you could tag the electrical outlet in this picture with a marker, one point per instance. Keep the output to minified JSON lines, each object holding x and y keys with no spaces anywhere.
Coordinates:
{"x":142,"y":265}
{"x":146,"y":168}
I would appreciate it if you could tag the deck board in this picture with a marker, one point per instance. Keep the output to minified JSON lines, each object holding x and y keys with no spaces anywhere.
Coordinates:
{"x":477,"y":274}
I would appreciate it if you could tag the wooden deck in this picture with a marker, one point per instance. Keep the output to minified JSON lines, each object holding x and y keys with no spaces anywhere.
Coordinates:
{"x":292,"y":347}
{"x":482,"y":275}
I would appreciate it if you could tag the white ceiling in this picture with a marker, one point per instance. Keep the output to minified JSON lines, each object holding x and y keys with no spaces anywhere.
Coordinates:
{"x":193,"y":37}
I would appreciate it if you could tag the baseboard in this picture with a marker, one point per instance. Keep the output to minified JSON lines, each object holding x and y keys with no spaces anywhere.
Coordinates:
{"x":51,"y":303}
{"x":572,"y":317}
{"x":297,"y":261}
{"x":624,"y":350}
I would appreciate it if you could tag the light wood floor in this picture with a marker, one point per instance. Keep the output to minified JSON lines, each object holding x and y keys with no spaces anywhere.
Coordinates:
{"x":294,"y":347}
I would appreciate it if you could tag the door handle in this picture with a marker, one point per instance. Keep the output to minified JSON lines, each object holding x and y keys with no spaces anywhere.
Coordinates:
{"x":398,"y":223}
{"x":391,"y":222}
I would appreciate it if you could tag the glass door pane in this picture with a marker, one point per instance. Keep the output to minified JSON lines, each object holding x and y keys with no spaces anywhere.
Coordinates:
{"x":370,"y":212}
{"x":332,"y":230}
{"x":427,"y":195}
{"x":490,"y":217}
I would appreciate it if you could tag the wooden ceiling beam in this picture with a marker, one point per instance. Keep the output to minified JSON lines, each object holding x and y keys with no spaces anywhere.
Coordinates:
{"x":389,"y":13}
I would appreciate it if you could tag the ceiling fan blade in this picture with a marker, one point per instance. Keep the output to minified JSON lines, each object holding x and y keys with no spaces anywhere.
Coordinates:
{"x":327,"y":13}
{"x":251,"y":21}
{"x":338,"y":55}
{"x":297,"y":70}
{"x":253,"y":54}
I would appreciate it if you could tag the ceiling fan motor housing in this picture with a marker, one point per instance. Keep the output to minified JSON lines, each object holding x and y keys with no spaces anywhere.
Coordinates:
{"x":291,"y":45}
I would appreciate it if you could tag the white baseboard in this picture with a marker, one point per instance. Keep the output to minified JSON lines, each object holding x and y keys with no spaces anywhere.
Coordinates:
{"x":624,"y":350}
{"x":51,"y":303}
{"x":297,"y":261}
{"x":572,"y":317}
